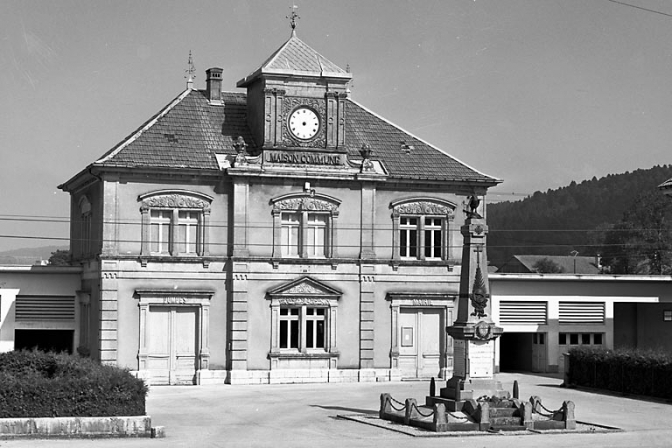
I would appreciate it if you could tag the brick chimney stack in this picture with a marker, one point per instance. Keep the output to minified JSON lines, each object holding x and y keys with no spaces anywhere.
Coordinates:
{"x":213,"y":84}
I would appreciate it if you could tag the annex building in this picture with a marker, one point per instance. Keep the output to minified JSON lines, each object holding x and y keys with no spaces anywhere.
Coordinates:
{"x":279,"y":233}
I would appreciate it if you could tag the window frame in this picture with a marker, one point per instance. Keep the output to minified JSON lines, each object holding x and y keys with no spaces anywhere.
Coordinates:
{"x":410,"y":241}
{"x":304,"y":206}
{"x":182,"y":211}
{"x":303,"y":294}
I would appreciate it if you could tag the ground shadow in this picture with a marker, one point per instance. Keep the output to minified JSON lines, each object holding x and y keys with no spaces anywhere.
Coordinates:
{"x":341,"y":408}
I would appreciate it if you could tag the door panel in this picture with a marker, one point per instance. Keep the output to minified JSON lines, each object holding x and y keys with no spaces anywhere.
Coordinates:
{"x":172,"y":344}
{"x":420,"y":336}
{"x":408,"y":346}
{"x":430,"y":343}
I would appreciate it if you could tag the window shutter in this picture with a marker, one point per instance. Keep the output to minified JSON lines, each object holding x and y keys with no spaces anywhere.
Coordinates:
{"x":521,"y":313}
{"x":61,"y":308}
{"x":581,"y":312}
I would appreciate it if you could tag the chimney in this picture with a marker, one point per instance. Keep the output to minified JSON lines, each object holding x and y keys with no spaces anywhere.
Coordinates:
{"x":213,"y":84}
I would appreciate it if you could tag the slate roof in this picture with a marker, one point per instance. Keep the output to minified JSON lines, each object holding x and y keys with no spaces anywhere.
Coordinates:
{"x":295,"y":57}
{"x":525,"y":264}
{"x":185,"y":134}
{"x":190,"y":131}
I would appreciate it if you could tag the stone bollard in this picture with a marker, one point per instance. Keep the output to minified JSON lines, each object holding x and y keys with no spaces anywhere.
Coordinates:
{"x":516,"y":393}
{"x":432,"y":388}
{"x":385,"y":406}
{"x":526,"y":411}
{"x":440,"y":421}
{"x":536,"y":403}
{"x":568,"y":414}
{"x":483,"y":416}
{"x":411,"y":411}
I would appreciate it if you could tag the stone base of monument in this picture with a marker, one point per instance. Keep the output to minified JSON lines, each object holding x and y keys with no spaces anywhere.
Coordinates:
{"x":492,"y":413}
{"x":458,"y":391}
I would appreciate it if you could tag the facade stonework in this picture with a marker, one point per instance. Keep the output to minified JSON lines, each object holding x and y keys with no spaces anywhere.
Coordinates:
{"x":254,"y":246}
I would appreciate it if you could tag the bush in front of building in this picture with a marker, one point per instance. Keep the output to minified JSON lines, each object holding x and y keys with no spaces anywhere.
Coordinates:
{"x":39,"y":384}
{"x":628,"y":371}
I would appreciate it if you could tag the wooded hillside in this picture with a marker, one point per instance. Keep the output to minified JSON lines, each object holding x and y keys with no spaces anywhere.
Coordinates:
{"x":575,"y":217}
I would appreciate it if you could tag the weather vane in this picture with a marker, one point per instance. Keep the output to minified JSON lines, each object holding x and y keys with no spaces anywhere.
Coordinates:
{"x":293,"y":16}
{"x":190,"y":72}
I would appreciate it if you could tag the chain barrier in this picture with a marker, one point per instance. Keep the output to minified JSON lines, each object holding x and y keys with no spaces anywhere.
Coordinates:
{"x":403,"y":405}
{"x":458,"y":417}
{"x":550,"y":413}
{"x":419,"y":412}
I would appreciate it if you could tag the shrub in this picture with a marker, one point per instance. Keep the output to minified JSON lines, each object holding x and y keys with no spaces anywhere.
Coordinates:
{"x":638,"y":372}
{"x":38,"y":384}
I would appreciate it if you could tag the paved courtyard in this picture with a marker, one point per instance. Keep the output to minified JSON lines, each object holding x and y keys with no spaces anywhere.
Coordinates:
{"x":306,"y":416}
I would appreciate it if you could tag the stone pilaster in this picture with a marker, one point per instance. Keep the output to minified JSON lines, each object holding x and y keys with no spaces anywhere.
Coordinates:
{"x":366,"y":316}
{"x":240,"y":222}
{"x":368,"y":199}
{"x":238,"y":318}
{"x":108,"y":315}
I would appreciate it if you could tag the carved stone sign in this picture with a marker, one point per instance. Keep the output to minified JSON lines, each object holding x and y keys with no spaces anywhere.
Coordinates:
{"x":481,"y":356}
{"x":303,"y":158}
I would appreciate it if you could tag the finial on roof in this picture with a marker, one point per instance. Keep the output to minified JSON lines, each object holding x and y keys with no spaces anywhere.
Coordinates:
{"x":292,"y":18}
{"x":190,"y":72}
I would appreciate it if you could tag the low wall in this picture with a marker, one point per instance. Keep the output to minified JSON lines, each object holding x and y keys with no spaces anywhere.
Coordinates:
{"x":66,"y":427}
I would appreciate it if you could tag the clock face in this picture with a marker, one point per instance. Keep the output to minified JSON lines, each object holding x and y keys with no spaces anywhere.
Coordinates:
{"x":304,"y":123}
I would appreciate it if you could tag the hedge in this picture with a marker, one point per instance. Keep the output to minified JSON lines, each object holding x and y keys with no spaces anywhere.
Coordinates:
{"x":627,"y":371}
{"x":39,"y":384}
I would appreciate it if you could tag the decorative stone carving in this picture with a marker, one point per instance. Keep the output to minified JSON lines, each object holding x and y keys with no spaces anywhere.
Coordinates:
{"x":422,"y":208}
{"x":479,"y":296}
{"x":304,"y":203}
{"x":319,"y":105}
{"x":303,"y":301}
{"x":174,"y":201}
{"x":303,"y":288}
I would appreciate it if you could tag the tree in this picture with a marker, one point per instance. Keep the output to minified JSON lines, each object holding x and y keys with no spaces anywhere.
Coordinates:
{"x":642,"y":242}
{"x":547,"y":266}
{"x":60,"y":258}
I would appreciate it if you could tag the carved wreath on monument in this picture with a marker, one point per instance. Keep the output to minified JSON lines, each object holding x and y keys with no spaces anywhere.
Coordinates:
{"x":479,"y":294}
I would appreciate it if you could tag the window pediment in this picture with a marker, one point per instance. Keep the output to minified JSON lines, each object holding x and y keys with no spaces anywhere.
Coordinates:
{"x":304,"y":288}
{"x":175,"y":199}
{"x":423,"y":206}
{"x":309,"y":202}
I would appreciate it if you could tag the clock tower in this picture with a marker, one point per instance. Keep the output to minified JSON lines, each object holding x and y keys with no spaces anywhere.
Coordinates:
{"x":296,"y":105}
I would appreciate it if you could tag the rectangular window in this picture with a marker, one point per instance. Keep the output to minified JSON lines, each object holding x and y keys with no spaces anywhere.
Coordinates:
{"x":667,"y":315}
{"x":408,"y":238}
{"x":562,"y":339}
{"x":290,"y":234}
{"x":159,"y":238}
{"x":302,"y":328}
{"x":597,"y":338}
{"x":304,"y":234}
{"x":315,"y":327}
{"x":316,"y":232}
{"x":585,"y":339}
{"x":289,"y":328}
{"x":187,"y":232}
{"x":422,"y":238}
{"x":433,"y":242}
{"x":574,"y":339}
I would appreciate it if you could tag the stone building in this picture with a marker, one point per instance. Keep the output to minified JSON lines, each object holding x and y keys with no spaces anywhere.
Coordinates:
{"x":280,"y":233}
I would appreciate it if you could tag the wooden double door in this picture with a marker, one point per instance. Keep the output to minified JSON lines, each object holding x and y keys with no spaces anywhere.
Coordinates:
{"x":172,"y":344}
{"x":421,"y":342}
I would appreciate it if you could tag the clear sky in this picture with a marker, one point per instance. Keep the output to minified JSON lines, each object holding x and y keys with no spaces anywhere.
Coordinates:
{"x":537,"y":93}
